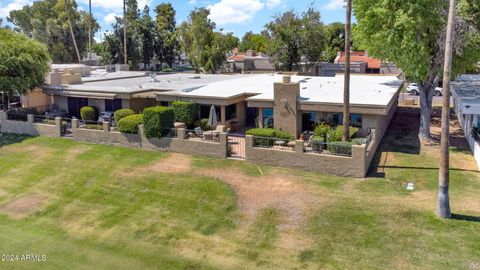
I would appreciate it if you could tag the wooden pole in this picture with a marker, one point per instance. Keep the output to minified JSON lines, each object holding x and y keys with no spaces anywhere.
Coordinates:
{"x":346,"y":89}
{"x":125,"y":56}
{"x":444,"y":175}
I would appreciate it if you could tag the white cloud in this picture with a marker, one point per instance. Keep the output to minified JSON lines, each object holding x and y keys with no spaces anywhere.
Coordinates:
{"x":273,"y":3}
{"x":113,"y":5}
{"x":110,"y":17}
{"x":334,"y":4}
{"x":13,"y":5}
{"x":234,"y":11}
{"x":192,"y":2}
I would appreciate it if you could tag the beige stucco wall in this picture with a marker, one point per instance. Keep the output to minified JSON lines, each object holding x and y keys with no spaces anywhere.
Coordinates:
{"x":29,"y":127}
{"x":354,"y":166}
{"x":35,"y":98}
{"x":287,"y":116}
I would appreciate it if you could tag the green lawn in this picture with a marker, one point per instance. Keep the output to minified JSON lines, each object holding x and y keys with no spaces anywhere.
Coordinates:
{"x":101,"y":207}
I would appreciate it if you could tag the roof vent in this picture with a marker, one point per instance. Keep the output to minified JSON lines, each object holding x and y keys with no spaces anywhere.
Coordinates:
{"x":194,"y":77}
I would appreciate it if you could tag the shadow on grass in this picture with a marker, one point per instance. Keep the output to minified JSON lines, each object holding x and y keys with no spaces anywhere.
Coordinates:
{"x":8,"y":138}
{"x":465,"y":218}
{"x":426,"y":168}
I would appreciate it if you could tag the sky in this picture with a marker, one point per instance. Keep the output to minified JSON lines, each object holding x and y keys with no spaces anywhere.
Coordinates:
{"x":237,"y":16}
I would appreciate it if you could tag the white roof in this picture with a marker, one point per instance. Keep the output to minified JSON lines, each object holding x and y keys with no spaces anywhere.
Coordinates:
{"x":364,"y":90}
{"x":466,"y":90}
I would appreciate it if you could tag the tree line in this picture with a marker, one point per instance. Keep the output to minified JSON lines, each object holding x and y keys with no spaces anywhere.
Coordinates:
{"x":290,"y":38}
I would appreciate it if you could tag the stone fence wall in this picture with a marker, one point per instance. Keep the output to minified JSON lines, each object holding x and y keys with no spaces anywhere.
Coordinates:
{"x":355,"y":166}
{"x":30,"y":127}
{"x":179,"y":144}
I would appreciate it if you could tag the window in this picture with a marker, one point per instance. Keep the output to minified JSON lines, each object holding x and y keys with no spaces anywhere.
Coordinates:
{"x":205,"y":111}
{"x":308,"y":121}
{"x":164,"y":103}
{"x":231,"y":111}
{"x":267,"y":118}
{"x":112,"y":105}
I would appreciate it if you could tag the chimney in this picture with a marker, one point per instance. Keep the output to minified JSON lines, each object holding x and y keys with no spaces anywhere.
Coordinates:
{"x":286,"y":107}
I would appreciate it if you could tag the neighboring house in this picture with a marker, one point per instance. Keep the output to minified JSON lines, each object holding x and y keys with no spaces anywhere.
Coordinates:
{"x":250,"y":61}
{"x":466,"y":97}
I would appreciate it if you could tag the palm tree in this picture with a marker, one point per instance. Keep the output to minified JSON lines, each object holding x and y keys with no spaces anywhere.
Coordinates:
{"x":67,"y":11}
{"x":346,"y":89}
{"x":443,"y":175}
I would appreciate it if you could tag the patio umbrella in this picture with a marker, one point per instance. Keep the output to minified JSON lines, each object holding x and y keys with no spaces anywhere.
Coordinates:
{"x":212,"y":118}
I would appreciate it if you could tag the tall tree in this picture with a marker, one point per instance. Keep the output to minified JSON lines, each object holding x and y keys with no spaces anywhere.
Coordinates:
{"x":411,"y":33}
{"x":294,"y":36}
{"x":147,"y":31}
{"x":47,"y":22}
{"x":256,"y":42}
{"x":335,"y":41}
{"x":346,"y":89}
{"x":443,"y":176}
{"x":166,"y":44}
{"x":24,"y":63}
{"x":66,"y":4}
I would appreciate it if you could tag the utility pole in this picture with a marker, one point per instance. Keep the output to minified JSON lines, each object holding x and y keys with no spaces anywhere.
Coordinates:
{"x":90,"y":32}
{"x":125,"y":57}
{"x":444,"y":174}
{"x":346,"y":87}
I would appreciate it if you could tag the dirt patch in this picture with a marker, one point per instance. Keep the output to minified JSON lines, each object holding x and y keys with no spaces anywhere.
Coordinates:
{"x":2,"y":193}
{"x":173,"y":163}
{"x":285,"y":193}
{"x":23,"y":206}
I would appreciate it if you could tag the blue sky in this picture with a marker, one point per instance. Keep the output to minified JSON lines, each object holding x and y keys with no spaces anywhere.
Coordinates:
{"x":237,"y":16}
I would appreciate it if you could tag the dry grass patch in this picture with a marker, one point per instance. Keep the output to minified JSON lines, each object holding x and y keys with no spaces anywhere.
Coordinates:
{"x":23,"y":206}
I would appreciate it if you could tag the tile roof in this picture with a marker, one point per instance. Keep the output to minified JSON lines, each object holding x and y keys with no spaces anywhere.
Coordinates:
{"x":361,"y":57}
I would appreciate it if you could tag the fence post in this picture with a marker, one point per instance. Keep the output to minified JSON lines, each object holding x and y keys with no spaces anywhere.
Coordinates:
{"x":359,"y":158}
{"x":58,"y":126}
{"x":30,"y":118}
{"x":74,"y":124}
{"x":299,"y":146}
{"x":181,"y":133}
{"x":106,"y":126}
{"x":3,"y":116}
{"x":223,"y":138}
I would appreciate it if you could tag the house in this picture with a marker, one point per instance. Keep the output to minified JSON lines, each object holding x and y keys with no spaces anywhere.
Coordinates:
{"x":466,"y":97}
{"x":249,"y":61}
{"x":368,"y":64}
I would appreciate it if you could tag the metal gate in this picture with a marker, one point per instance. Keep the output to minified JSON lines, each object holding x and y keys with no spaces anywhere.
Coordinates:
{"x":236,"y":146}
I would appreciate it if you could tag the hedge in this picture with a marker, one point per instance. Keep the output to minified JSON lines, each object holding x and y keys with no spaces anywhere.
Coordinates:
{"x":119,"y":114}
{"x":270,"y":133}
{"x":203,"y":124}
{"x":185,"y":112}
{"x":88,"y":113}
{"x":336,"y":134}
{"x":129,"y":124}
{"x":157,"y":121}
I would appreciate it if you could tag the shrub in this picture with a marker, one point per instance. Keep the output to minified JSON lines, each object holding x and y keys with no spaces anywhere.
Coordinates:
{"x":157,"y":121}
{"x":336,"y":134}
{"x":185,"y":112}
{"x":203,"y":124}
{"x":340,"y":148}
{"x":119,"y":114}
{"x":322,"y":130}
{"x":129,"y":124}
{"x":88,"y":113}
{"x":270,"y":133}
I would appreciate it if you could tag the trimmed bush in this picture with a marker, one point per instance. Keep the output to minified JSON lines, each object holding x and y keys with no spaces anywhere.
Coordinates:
{"x":157,"y":121}
{"x":185,"y":112}
{"x":88,"y":113}
{"x":129,"y":124}
{"x":203,"y":124}
{"x":336,"y":134}
{"x":119,"y":114}
{"x":340,"y":148}
{"x":270,"y":133}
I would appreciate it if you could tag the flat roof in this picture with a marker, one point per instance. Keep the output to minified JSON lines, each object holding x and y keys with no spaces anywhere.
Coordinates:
{"x":128,"y":82}
{"x":466,"y":89}
{"x":365,"y":90}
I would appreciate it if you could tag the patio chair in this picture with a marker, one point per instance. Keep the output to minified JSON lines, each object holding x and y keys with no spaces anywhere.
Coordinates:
{"x":199,"y":132}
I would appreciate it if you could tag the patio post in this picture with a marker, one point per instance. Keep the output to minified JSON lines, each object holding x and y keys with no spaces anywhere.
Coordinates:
{"x":181,"y":133}
{"x":299,"y":146}
{"x":260,"y":117}
{"x":106,"y":126}
{"x":58,"y":126}
{"x":30,"y":118}
{"x":223,"y":116}
{"x":74,"y":124}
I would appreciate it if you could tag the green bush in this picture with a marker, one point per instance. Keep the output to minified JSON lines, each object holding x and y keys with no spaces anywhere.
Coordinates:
{"x":336,"y":134}
{"x":185,"y":112}
{"x":129,"y":124}
{"x":322,"y":130}
{"x":157,"y":121}
{"x":88,"y":113}
{"x":340,"y":148}
{"x":119,"y":114}
{"x":203,"y":124}
{"x":270,"y":133}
